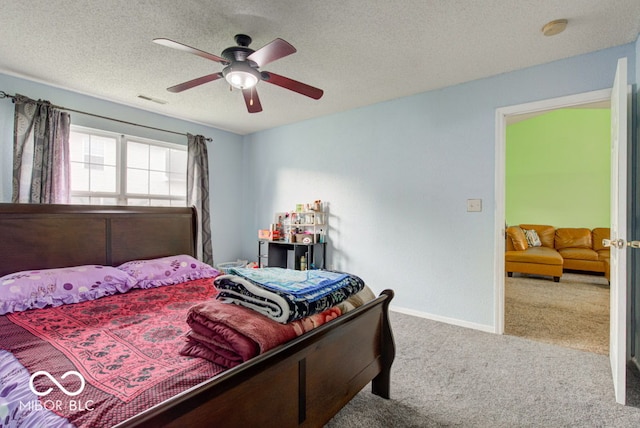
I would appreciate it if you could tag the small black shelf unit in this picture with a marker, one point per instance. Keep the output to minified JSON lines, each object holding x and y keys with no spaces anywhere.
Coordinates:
{"x":287,"y":254}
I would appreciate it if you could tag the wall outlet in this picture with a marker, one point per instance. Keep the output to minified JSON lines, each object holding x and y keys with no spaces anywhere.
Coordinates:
{"x":474,"y":205}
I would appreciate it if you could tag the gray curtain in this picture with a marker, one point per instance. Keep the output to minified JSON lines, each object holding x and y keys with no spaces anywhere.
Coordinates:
{"x":198,"y":193}
{"x":41,"y":167}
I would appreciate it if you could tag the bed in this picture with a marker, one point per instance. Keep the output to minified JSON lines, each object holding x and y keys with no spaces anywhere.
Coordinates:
{"x":303,"y":382}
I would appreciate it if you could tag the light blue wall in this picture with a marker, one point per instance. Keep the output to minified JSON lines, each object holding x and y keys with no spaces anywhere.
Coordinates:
{"x":637,"y":46}
{"x":397,"y":176}
{"x":225,"y":152}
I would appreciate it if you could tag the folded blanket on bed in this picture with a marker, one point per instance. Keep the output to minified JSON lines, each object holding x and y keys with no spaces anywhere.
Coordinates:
{"x":286,"y":295}
{"x":230,"y":334}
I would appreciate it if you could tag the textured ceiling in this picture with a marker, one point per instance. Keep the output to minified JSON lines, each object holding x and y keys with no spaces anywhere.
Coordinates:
{"x":358,"y":51}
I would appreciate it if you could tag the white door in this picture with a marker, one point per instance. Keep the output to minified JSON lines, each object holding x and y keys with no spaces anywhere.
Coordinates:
{"x":618,"y":272}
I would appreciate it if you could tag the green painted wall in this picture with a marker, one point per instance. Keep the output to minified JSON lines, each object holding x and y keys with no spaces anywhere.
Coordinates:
{"x":558,"y":169}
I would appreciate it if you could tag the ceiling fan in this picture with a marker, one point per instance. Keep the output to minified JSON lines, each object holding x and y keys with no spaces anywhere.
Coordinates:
{"x":242,"y":69}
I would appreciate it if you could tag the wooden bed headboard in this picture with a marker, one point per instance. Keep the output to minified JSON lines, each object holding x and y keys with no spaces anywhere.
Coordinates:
{"x":42,"y":236}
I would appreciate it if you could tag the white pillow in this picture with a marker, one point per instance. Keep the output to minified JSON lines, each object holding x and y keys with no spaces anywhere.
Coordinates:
{"x":532,"y":237}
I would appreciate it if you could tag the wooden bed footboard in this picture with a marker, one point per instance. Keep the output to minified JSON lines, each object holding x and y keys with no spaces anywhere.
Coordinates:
{"x":303,"y":383}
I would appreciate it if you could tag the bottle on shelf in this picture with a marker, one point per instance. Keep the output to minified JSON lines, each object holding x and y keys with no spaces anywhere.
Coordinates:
{"x":303,"y":263}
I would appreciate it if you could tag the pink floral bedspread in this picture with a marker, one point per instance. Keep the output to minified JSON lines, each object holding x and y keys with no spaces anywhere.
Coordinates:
{"x":126,"y":347}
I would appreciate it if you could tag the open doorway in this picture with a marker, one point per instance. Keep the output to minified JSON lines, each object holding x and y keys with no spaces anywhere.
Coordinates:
{"x":558,"y":173}
{"x":619,"y":352}
{"x":503,"y":116}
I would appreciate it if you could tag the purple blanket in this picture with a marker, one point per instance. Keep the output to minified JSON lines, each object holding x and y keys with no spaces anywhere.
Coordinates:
{"x":228,"y":334}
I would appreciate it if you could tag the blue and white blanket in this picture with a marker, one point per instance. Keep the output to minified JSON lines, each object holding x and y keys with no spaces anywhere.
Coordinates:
{"x":286,"y":295}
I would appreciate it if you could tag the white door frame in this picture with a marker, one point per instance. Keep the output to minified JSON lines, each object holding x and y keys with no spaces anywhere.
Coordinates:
{"x":500,"y":165}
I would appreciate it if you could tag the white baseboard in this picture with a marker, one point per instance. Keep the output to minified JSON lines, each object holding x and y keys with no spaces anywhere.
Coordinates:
{"x":447,"y":320}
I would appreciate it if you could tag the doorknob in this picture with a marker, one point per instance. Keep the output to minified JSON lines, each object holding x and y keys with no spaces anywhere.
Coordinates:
{"x":634,"y":244}
{"x":615,"y":243}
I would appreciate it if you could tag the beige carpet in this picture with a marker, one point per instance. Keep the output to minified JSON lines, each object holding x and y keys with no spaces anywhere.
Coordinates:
{"x":573,"y":313}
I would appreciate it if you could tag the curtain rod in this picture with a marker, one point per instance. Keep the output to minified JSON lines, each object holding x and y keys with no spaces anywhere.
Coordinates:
{"x":13,"y":98}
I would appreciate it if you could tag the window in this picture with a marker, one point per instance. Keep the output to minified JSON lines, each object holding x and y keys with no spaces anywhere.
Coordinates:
{"x":112,"y":169}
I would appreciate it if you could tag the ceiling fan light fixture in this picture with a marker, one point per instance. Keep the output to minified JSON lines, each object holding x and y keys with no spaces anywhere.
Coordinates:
{"x":241,"y":69}
{"x":241,"y":75}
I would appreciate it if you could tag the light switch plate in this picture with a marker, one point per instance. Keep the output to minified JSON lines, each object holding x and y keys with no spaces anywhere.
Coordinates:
{"x":474,"y":205}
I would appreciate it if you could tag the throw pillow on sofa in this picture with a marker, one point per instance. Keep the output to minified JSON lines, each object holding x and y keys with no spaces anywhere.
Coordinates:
{"x":532,"y":237}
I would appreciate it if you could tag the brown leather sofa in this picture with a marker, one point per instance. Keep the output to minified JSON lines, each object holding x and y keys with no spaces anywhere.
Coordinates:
{"x":558,"y":250}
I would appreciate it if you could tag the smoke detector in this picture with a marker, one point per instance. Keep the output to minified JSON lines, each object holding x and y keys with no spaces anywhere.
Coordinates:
{"x":554,"y":27}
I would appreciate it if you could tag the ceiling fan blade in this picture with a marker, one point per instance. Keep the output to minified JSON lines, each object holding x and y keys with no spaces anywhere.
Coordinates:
{"x":195,"y":82}
{"x":189,"y":49}
{"x":293,"y":85}
{"x":251,"y":100}
{"x":270,"y":52}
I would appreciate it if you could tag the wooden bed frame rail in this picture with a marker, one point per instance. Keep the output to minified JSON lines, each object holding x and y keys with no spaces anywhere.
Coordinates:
{"x":302,"y":383}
